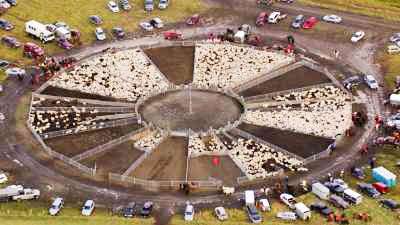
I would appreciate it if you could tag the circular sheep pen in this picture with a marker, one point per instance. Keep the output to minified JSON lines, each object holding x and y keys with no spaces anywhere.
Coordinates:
{"x":241,"y":118}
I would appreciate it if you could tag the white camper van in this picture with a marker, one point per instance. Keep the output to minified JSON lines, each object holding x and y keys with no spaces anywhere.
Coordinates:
{"x":352,"y":197}
{"x":38,"y":30}
{"x":320,"y":190}
{"x":302,"y":211}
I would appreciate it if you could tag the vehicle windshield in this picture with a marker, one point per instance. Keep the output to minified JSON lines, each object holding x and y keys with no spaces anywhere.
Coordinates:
{"x":54,"y":206}
{"x":189,"y":213}
{"x":87,"y":207}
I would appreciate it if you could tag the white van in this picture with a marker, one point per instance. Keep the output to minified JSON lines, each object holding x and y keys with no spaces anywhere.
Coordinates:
{"x":38,"y":30}
{"x":320,"y":190}
{"x":352,"y":197}
{"x":273,"y":17}
{"x":62,"y":32}
{"x":249,"y":197}
{"x":302,"y":211}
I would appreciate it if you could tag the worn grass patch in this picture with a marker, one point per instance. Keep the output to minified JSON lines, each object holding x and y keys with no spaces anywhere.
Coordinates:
{"x":387,"y":9}
{"x":76,"y":13}
{"x":390,"y":67}
{"x":3,"y":76}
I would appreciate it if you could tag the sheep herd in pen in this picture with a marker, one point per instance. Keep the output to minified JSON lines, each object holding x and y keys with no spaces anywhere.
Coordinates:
{"x":324,"y":112}
{"x":149,"y":142}
{"x":227,"y":66}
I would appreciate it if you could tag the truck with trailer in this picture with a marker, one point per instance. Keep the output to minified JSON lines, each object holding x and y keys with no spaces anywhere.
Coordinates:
{"x":8,"y":192}
{"x":39,"y":30}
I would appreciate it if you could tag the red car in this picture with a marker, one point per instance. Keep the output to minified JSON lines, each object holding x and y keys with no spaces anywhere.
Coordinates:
{"x":261,"y":19}
{"x":310,"y":23}
{"x":381,"y":187}
{"x":33,"y":50}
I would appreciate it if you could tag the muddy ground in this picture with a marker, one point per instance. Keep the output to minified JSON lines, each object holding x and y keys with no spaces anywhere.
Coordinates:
{"x":72,"y":145}
{"x":176,"y":63}
{"x":201,"y":168}
{"x":166,"y":162}
{"x":74,"y":94}
{"x":300,"y":144}
{"x":297,"y":78}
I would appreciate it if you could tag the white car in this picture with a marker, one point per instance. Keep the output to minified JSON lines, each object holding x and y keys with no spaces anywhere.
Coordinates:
{"x":274,"y":17}
{"x":286,"y":215}
{"x":56,"y":206}
{"x":393,"y":49}
{"x":146,"y":26}
{"x":332,"y":18}
{"x":288,"y":199}
{"x":163,"y":4}
{"x":113,"y":6}
{"x":357,"y":36}
{"x":100,"y":34}
{"x":264,"y":205}
{"x":189,"y":212}
{"x":221,"y":213}
{"x":157,"y":22}
{"x":371,"y":82}
{"x":2,"y":117}
{"x":88,"y":208}
{"x":15,"y":71}
{"x":3,"y":176}
{"x":4,"y":4}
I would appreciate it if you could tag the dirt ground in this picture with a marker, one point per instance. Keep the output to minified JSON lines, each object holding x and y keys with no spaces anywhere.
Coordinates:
{"x":297,"y":78}
{"x":72,"y":145}
{"x":73,"y":94}
{"x":115,"y":160}
{"x":167,"y":162}
{"x":300,"y":144}
{"x":209,"y":109}
{"x":201,"y":168}
{"x":176,"y":63}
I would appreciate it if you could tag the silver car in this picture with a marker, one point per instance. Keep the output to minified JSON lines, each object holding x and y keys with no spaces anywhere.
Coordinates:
{"x":298,"y":21}
{"x":332,"y":18}
{"x":146,"y":26}
{"x":395,"y":37}
{"x":148,"y":5}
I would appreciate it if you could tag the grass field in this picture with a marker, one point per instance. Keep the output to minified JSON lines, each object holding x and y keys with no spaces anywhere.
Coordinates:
{"x":35,"y":213}
{"x":390,"y":65}
{"x":388,"y":9}
{"x":76,"y":13}
{"x":380,"y":216}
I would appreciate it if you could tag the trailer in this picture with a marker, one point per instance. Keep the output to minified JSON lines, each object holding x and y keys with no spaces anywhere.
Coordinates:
{"x":39,"y":30}
{"x":320,"y":190}
{"x":249,"y":197}
{"x":27,"y":194}
{"x":394,"y":99}
{"x":381,"y":174}
{"x":10,"y":191}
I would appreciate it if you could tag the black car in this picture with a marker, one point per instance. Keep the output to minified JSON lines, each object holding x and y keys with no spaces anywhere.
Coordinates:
{"x":335,"y":188}
{"x":147,"y":209}
{"x":390,"y":204}
{"x":12,"y":2}
{"x":321,"y":208}
{"x":368,"y":189}
{"x":338,"y":202}
{"x":95,"y":19}
{"x":352,"y":81}
{"x":11,"y":42}
{"x":118,"y":32}
{"x":4,"y":63}
{"x":128,"y":212}
{"x":6,"y":25}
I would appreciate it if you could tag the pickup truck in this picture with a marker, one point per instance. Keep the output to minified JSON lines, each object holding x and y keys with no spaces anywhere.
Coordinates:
{"x":27,"y":194}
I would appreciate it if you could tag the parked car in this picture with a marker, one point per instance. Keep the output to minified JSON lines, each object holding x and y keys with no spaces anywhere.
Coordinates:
{"x":264,"y":205}
{"x":332,"y":18}
{"x":27,"y":194}
{"x":358,"y":173}
{"x":221,"y":213}
{"x":261,"y":19}
{"x":253,"y":214}
{"x":88,"y":208}
{"x":146,"y":26}
{"x":357,"y":36}
{"x":12,"y":2}
{"x":310,"y":23}
{"x":335,"y":187}
{"x":62,"y":24}
{"x":32,"y":50}
{"x":298,"y":21}
{"x":64,"y":44}
{"x":395,"y":37}
{"x":393,"y":49}
{"x":113,"y":6}
{"x":15,"y":71}
{"x":338,"y":202}
{"x":118,"y":32}
{"x":125,"y":5}
{"x":148,"y":5}
{"x":381,"y":187}
{"x":147,"y":209}
{"x":4,"y":63}
{"x":157,"y":22}
{"x":288,"y":199}
{"x":56,"y":206}
{"x":11,"y":42}
{"x":193,"y":20}
{"x":274,"y":17}
{"x":163,"y":4}
{"x":189,"y":212}
{"x":321,"y":208}
{"x":95,"y":19}
{"x":129,"y":211}
{"x":287,"y":215}
{"x":4,"y":4}
{"x":390,"y":204}
{"x":368,"y":189}
{"x":6,"y":25}
{"x":3,"y":178}
{"x":100,"y":34}
{"x":371,"y":82}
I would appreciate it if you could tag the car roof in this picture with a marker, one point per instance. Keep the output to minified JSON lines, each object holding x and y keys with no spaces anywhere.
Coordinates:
{"x":189,"y":207}
{"x":57,"y":201}
{"x":89,"y":202}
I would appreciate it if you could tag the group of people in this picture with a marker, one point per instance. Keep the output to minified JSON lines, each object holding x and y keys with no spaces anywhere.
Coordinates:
{"x":227,"y":66}
{"x":126,"y":74}
{"x":324,"y":112}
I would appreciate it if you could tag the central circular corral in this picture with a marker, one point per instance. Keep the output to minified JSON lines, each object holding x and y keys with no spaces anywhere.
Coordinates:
{"x":209,"y":109}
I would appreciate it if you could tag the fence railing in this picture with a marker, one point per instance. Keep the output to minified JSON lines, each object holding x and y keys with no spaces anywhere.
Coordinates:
{"x":320,"y":155}
{"x":81,"y":100}
{"x":86,"y":109}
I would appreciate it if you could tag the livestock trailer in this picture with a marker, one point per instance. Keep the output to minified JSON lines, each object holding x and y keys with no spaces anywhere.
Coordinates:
{"x":381,"y":174}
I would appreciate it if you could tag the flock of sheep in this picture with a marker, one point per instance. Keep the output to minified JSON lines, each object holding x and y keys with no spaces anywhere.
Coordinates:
{"x":149,"y":142}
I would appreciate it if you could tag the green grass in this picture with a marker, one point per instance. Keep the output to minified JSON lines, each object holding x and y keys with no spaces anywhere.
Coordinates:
{"x":35,"y":213}
{"x":380,"y":216}
{"x":76,"y":13}
{"x":390,"y":65}
{"x":3,"y":76}
{"x":387,"y":9}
